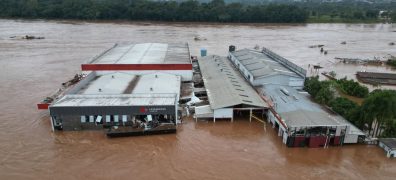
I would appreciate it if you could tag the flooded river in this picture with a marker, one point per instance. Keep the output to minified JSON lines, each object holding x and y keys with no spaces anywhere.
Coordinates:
{"x":31,"y":70}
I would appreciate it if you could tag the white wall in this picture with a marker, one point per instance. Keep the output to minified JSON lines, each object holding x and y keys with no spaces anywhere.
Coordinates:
{"x":242,"y":68}
{"x":351,"y":138}
{"x":223,"y":113}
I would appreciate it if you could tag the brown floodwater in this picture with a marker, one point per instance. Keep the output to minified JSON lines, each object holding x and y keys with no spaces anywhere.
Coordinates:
{"x":33,"y":69}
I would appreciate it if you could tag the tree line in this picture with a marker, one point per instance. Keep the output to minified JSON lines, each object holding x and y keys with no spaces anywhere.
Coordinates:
{"x":376,"y":114}
{"x":193,"y":11}
{"x":350,"y":11}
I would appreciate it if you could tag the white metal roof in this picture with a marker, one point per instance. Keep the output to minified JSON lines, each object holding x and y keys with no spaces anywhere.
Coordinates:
{"x":225,"y":85}
{"x":158,"y":83}
{"x":116,"y":100}
{"x":146,"y":53}
{"x":122,"y":89}
{"x":110,"y":83}
{"x":126,"y":83}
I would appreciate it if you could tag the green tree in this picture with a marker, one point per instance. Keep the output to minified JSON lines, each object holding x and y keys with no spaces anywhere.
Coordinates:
{"x":380,"y":107}
{"x":343,"y":106}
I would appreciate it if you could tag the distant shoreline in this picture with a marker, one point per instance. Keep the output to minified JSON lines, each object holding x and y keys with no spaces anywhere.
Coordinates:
{"x":147,"y":22}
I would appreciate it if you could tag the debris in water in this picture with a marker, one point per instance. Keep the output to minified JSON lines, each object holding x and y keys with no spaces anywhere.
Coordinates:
{"x":391,"y":43}
{"x":376,"y":60}
{"x":343,"y":42}
{"x":316,"y":46}
{"x":199,"y":38}
{"x":27,"y":37}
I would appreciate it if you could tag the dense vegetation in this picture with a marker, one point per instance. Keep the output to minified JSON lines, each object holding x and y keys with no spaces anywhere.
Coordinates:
{"x":350,"y":11}
{"x":280,"y":11}
{"x":391,"y":61}
{"x":214,"y":11}
{"x":377,"y":114}
{"x":352,"y":88}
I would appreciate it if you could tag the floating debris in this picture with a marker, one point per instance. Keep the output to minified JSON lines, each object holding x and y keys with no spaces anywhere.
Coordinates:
{"x":256,"y":47}
{"x":325,"y":52}
{"x":27,"y":37}
{"x":199,"y":38}
{"x":316,"y":46}
{"x":376,"y":60}
{"x":391,"y":43}
{"x":343,"y":42}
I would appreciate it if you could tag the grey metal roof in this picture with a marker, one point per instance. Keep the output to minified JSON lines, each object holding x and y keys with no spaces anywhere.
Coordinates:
{"x":390,"y":142}
{"x":297,"y":110}
{"x":261,"y":65}
{"x":145,"y":53}
{"x":225,"y":85}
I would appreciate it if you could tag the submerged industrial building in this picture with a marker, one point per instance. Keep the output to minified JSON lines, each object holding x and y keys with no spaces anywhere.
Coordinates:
{"x":137,"y":89}
{"x":300,"y":121}
{"x":131,"y":89}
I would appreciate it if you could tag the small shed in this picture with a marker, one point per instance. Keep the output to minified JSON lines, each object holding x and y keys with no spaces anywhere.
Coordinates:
{"x":389,"y":145}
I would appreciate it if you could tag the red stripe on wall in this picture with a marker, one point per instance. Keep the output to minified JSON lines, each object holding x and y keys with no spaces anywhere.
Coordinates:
{"x":138,"y":67}
{"x":42,"y":106}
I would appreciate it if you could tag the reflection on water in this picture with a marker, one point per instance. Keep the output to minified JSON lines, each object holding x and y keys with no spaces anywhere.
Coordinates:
{"x":31,"y":70}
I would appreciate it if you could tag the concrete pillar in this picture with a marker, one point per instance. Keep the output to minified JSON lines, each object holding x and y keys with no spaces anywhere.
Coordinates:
{"x":214,"y":119}
{"x":52,"y":124}
{"x":250,"y":118}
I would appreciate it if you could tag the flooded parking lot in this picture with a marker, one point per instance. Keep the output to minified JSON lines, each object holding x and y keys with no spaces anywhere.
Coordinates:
{"x":33,"y":69}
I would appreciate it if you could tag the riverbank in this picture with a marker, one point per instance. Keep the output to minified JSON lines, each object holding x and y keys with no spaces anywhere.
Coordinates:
{"x":311,"y":20}
{"x":328,"y":19}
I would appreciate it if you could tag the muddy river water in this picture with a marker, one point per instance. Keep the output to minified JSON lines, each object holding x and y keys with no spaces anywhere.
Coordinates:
{"x":31,"y":70}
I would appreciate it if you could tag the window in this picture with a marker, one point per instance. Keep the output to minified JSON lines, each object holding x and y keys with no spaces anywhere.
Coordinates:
{"x":83,"y":119}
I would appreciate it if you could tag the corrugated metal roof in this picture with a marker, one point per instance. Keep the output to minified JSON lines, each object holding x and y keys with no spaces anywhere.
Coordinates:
{"x":116,"y":100}
{"x":110,"y":83}
{"x":390,"y":142}
{"x":158,"y":83}
{"x":122,"y":88}
{"x":297,"y":110}
{"x":225,"y":85}
{"x":126,"y":83}
{"x":146,"y":53}
{"x":260,"y":65}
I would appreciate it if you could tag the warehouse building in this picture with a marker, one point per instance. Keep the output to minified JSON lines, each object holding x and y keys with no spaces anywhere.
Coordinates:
{"x":307,"y":123}
{"x":227,"y":91}
{"x":117,"y":99}
{"x":267,"y":67}
{"x":173,"y":58}
{"x":300,"y":121}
